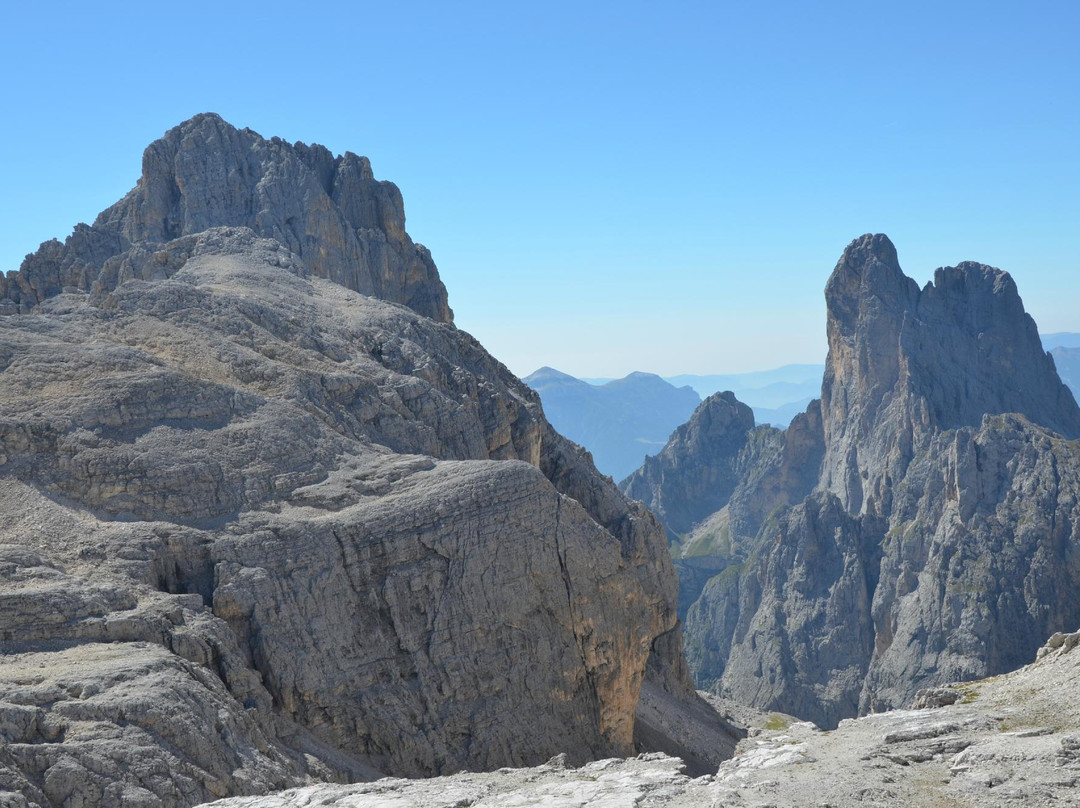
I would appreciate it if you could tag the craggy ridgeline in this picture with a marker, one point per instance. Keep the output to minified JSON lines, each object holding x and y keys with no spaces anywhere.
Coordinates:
{"x":269,"y":518}
{"x":919,"y":524}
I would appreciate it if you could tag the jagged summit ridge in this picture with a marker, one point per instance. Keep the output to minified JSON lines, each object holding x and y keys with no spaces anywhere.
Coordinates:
{"x":347,"y":226}
{"x":915,"y":526}
{"x":906,"y":363}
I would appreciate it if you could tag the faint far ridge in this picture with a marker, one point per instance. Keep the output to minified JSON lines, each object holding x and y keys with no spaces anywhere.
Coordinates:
{"x":1060,"y":339}
{"x":619,"y":422}
{"x":1067,"y":361}
{"x":776,"y":395}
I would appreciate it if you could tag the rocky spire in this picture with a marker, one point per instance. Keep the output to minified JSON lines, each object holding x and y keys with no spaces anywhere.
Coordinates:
{"x":904,"y":364}
{"x":914,"y":528}
{"x":701,"y":459}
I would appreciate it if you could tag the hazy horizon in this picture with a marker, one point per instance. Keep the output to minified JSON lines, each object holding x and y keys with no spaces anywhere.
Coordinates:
{"x":610,"y":188}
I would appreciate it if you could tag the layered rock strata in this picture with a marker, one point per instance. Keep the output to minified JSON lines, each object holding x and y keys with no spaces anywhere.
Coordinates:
{"x":261,"y":529}
{"x":1012,"y":740}
{"x":927,"y":530}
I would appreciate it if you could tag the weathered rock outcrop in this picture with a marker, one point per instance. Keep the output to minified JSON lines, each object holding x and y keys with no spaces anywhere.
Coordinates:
{"x":1012,"y":740}
{"x":942,"y":533}
{"x":260,"y":529}
{"x":717,"y":481}
{"x":330,"y":211}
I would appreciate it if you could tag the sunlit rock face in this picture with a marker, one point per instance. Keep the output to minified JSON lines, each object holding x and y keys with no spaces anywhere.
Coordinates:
{"x":330,"y":211}
{"x":919,"y":524}
{"x":269,"y":517}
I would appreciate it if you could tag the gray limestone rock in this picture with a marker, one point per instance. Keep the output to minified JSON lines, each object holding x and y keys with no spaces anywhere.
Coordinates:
{"x":905,"y":364}
{"x":1008,"y":741}
{"x":330,"y":211}
{"x":262,"y":530}
{"x":321,"y":466}
{"x":941,"y":535}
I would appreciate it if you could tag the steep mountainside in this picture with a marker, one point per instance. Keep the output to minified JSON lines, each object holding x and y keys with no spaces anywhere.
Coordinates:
{"x":918,"y":525}
{"x":619,"y":422}
{"x":260,"y":528}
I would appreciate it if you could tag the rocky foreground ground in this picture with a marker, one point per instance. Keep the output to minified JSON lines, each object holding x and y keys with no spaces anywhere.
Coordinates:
{"x":1012,"y":740}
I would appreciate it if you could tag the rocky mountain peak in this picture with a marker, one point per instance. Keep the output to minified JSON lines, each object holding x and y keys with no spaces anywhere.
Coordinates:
{"x":906,"y":531}
{"x":867,"y":280}
{"x":702,"y":456}
{"x":347,"y":226}
{"x":270,"y":530}
{"x":721,"y":416}
{"x":904,"y":364}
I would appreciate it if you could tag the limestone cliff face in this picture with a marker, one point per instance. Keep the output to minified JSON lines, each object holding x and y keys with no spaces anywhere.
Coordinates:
{"x":261,"y":529}
{"x":995,"y":743}
{"x":905,"y":364}
{"x":330,"y":211}
{"x":923,"y":527}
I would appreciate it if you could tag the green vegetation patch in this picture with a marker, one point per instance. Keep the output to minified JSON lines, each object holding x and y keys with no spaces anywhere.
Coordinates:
{"x":777,"y":721}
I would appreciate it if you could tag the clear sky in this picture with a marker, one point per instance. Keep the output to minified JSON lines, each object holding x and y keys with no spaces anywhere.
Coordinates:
{"x":607,"y":186}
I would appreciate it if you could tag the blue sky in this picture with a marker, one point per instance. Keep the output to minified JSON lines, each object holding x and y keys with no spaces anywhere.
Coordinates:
{"x":605,"y":187}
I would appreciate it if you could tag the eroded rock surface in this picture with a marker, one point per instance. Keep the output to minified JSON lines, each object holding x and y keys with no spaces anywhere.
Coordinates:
{"x":916,"y":526}
{"x":1008,"y":741}
{"x":330,"y":211}
{"x":263,"y":530}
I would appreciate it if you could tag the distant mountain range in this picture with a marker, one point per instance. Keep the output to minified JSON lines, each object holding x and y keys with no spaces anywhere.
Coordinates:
{"x":771,"y":389}
{"x":776,"y":396}
{"x":1060,"y":339}
{"x":1064,"y":346}
{"x":621,"y":421}
{"x":1067,"y":361}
